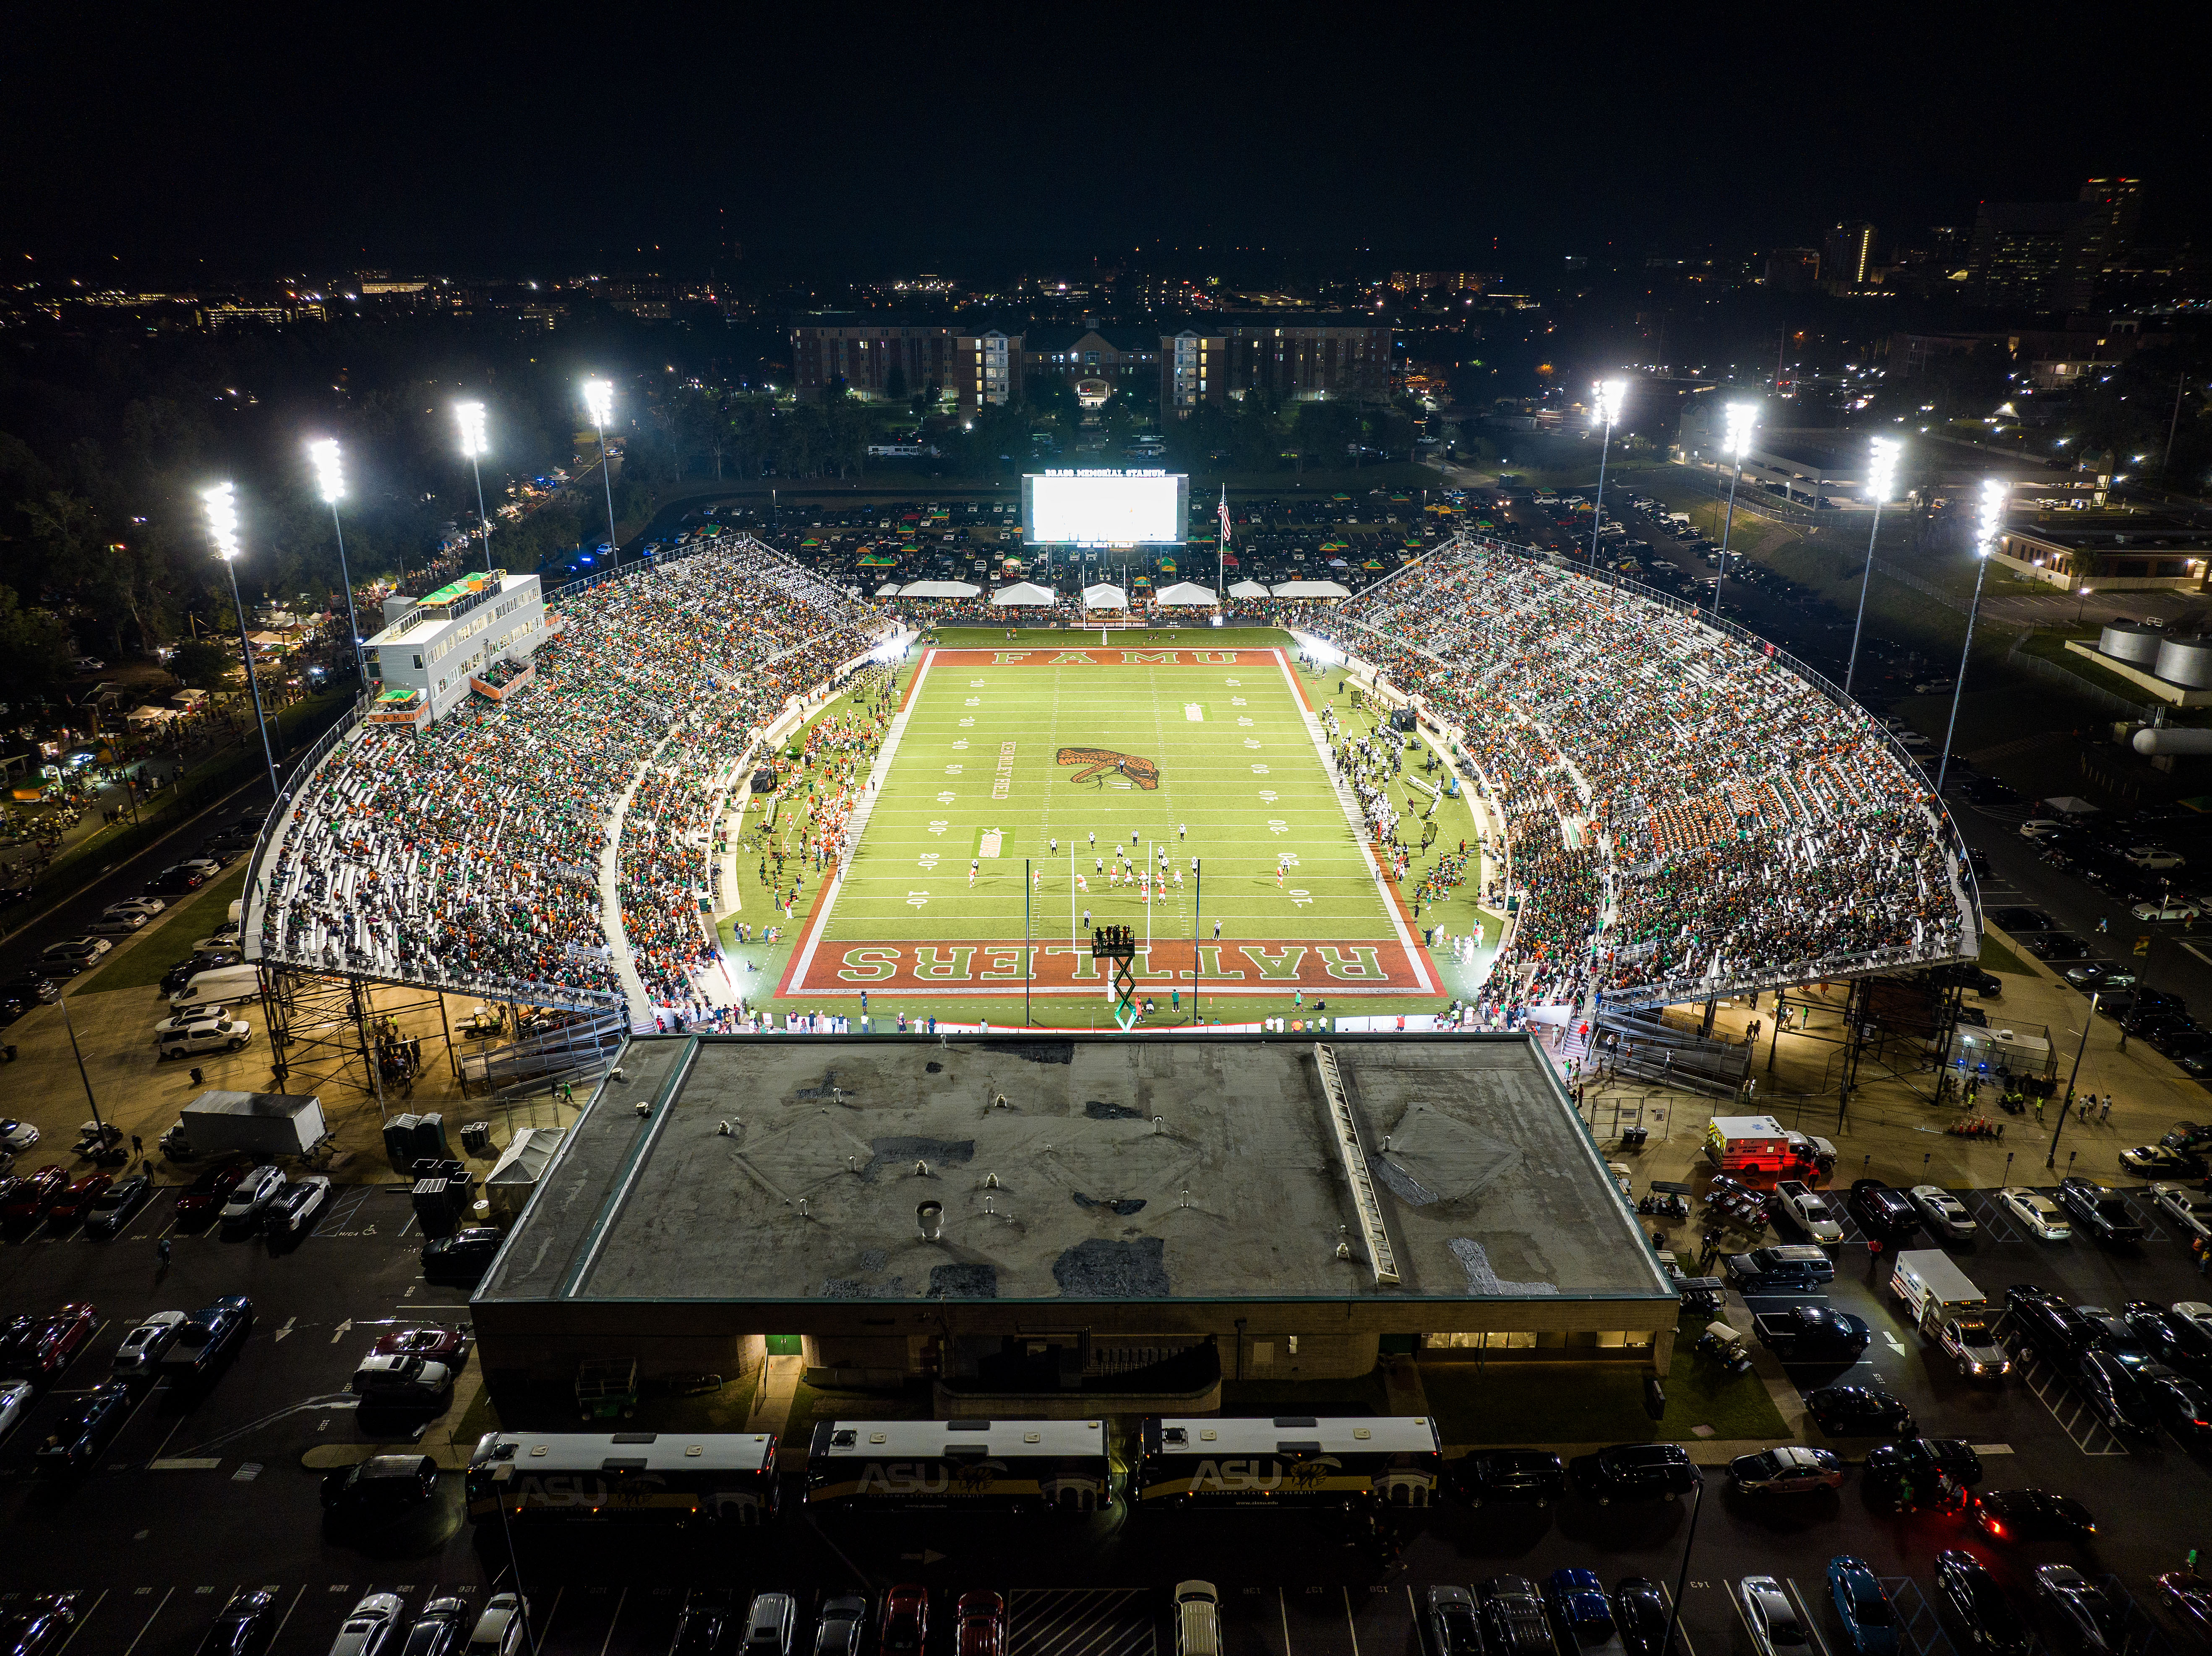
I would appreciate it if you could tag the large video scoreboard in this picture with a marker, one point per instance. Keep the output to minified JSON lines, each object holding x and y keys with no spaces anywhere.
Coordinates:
{"x":1104,"y":508}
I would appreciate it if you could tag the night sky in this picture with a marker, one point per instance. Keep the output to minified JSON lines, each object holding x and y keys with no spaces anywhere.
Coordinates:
{"x":526,"y":142}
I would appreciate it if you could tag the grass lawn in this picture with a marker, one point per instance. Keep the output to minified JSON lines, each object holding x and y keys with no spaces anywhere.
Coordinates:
{"x":1593,"y":1403}
{"x":1995,"y":957}
{"x":1363,"y":1395}
{"x":145,"y":957}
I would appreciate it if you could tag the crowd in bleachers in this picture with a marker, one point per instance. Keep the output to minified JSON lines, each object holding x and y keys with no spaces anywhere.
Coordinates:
{"x":469,"y":852}
{"x":1681,"y":809}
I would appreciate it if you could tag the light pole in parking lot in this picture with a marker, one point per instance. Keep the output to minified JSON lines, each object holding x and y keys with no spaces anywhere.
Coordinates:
{"x":1682,"y":1575}
{"x":99,"y":1126}
{"x":1605,"y":409}
{"x":330,"y":477}
{"x":223,"y":528}
{"x":599,"y":400}
{"x":1882,"y":473}
{"x":1735,"y":443}
{"x":1988,"y":525}
{"x":2051,"y":1160}
{"x":470,"y":416}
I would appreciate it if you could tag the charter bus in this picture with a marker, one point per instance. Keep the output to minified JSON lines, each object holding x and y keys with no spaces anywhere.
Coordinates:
{"x":1302,"y":1460}
{"x":1018,"y":1465}
{"x":643,"y":1476}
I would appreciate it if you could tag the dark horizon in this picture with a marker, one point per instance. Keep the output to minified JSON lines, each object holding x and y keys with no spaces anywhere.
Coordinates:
{"x":429,"y":144}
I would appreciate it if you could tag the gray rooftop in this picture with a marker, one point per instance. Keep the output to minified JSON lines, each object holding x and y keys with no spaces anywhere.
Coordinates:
{"x":1125,"y":1168}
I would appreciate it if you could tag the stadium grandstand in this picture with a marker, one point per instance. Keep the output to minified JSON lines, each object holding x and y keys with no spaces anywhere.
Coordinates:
{"x":1687,"y":812}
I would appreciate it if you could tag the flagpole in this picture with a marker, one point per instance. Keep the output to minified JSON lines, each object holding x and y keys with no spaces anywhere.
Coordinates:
{"x":1029,"y":878}
{"x":1197,"y":929}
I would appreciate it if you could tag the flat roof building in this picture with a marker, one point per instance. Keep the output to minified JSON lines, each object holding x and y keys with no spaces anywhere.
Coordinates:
{"x":1050,"y":1220}
{"x":421,"y":664}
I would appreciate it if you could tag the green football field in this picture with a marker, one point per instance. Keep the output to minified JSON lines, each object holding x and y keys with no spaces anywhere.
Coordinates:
{"x":1198,"y":753}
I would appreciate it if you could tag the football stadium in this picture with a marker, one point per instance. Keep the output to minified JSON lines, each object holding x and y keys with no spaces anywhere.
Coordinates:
{"x":716,"y":787}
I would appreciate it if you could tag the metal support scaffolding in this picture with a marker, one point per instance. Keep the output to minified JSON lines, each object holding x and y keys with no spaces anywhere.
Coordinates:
{"x":320,"y":1027}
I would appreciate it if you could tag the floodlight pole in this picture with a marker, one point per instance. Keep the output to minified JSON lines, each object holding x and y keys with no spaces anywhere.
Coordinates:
{"x":1959,"y":689}
{"x":353,"y":626}
{"x":482,"y":517}
{"x":1597,"y":509}
{"x":607,"y":478}
{"x":252,"y":680}
{"x":1727,"y":527}
{"x":1866,"y":581}
{"x":2051,"y":1160}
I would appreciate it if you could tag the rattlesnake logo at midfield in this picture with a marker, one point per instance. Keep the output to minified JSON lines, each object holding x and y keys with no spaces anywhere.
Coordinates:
{"x":1098,"y":761}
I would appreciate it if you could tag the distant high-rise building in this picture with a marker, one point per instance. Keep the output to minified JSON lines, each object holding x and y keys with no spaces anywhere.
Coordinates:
{"x":2118,"y":202}
{"x":1847,"y":256}
{"x":1793,"y":269}
{"x":2037,"y":255}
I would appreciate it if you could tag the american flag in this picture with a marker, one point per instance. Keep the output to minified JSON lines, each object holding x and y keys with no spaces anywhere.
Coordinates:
{"x":1223,"y":512}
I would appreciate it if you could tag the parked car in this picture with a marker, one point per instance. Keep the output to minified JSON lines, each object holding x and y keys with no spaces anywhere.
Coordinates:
{"x":1858,"y":1411}
{"x":1812,"y":1333}
{"x":251,"y":1194}
{"x":187,"y":1035}
{"x":2102,"y":1213}
{"x":15,"y":1397}
{"x":114,"y":923}
{"x":1884,"y":1212}
{"x":1634,"y":1472}
{"x":2112,"y":1387}
{"x":1533,"y":1478}
{"x":76,"y":1200}
{"x":1513,"y":1620}
{"x":117,"y":1205}
{"x":2037,"y":1214}
{"x":146,"y":908}
{"x":244,"y":1627}
{"x":370,"y":1625}
{"x":1640,"y":1613}
{"x":2182,"y":1406}
{"x":1450,"y":1623}
{"x":1791,"y":1470}
{"x":2180,"y":1342}
{"x":706,"y":1625}
{"x":208,"y":1337}
{"x":1805,"y":1209}
{"x":403,"y":1381}
{"x":205,"y":1197}
{"x":2189,"y":1595}
{"x":1787,"y":1268}
{"x":1943,"y":1214}
{"x":2090,"y":1621}
{"x":2173,"y":908}
{"x":1862,"y":1606}
{"x":16,"y":1137}
{"x":1776,"y":1629}
{"x":31,"y":1197}
{"x":2185,"y":1207}
{"x":294,"y":1208}
{"x":838,"y":1630}
{"x":2032,"y":1515}
{"x":142,"y":1347}
{"x":905,"y":1628}
{"x":379,"y":1489}
{"x":462,"y":1258}
{"x":979,"y":1624}
{"x":75,"y":953}
{"x":83,"y":1429}
{"x":1977,"y":1607}
{"x":36,"y":1347}
{"x":38,"y":1625}
{"x":1921,"y":1461}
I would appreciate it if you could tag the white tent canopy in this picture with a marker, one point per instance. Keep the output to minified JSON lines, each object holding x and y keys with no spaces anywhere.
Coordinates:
{"x":888,"y":590}
{"x":1248,"y":589}
{"x":1104,"y":596}
{"x":1186,"y":593}
{"x":1026,"y":593}
{"x":1311,"y":589}
{"x":940,"y":588}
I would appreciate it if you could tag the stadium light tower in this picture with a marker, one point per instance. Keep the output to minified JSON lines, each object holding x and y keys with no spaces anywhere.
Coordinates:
{"x":470,"y":416}
{"x":1988,"y":526}
{"x":600,"y":398}
{"x":1735,"y":443}
{"x":1606,"y":410}
{"x":223,"y":529}
{"x":330,"y":477}
{"x":1882,"y":475}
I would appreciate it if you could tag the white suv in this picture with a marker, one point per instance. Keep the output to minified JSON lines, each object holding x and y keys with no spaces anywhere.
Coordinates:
{"x":204,"y":1036}
{"x":396,"y":1377}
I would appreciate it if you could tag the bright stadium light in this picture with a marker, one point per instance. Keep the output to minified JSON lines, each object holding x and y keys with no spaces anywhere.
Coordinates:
{"x":1988,"y":528}
{"x":330,"y":477}
{"x":1881,"y":478}
{"x":222,"y":502}
{"x":1735,"y":443}
{"x":470,"y":416}
{"x":1605,"y":409}
{"x":599,"y":400}
{"x":330,"y":474}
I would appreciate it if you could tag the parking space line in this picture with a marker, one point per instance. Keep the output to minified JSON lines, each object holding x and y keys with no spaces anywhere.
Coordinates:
{"x":1349,"y":1627}
{"x":1810,"y":1621}
{"x":620,"y":1598}
{"x":86,"y":1618}
{"x":165,"y":1597}
{"x":545,"y":1628}
{"x":2065,"y":1406}
{"x":302,"y":1593}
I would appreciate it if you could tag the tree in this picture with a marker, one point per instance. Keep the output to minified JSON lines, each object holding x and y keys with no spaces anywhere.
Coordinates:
{"x":895,"y":384}
{"x":34,"y":645}
{"x":202,"y":662}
